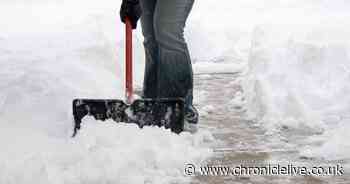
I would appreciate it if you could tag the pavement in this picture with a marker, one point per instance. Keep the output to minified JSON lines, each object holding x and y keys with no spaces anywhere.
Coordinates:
{"x":240,"y":141}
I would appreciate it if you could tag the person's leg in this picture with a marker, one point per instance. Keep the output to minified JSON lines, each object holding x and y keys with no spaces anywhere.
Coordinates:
{"x":175,"y":74}
{"x":151,"y":49}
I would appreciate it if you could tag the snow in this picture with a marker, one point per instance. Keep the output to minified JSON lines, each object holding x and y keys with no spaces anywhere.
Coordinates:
{"x":52,"y":52}
{"x":101,"y":153}
{"x":298,"y":75}
{"x":221,"y":67}
{"x":293,"y":55}
{"x":334,"y":141}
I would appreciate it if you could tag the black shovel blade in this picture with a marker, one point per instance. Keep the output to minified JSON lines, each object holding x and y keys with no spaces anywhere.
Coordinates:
{"x":100,"y":109}
{"x":163,"y":112}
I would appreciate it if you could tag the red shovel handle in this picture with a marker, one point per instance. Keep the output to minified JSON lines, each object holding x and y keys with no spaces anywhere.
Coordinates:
{"x":128,"y":61}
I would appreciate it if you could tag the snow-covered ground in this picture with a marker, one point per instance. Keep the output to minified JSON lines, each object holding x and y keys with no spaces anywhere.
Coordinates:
{"x":101,"y":153}
{"x":298,"y":63}
{"x":296,"y":58}
{"x":298,"y":73}
{"x":52,"y":52}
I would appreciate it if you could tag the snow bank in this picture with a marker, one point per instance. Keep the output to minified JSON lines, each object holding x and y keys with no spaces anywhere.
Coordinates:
{"x":102,"y":153}
{"x":297,"y":56}
{"x":52,"y":52}
{"x":334,"y":146}
{"x":301,"y":79}
{"x":297,"y":62}
{"x":299,"y":72}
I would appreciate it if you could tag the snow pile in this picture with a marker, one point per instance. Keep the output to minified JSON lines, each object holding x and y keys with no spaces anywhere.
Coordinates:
{"x":52,"y":52}
{"x":301,"y":80}
{"x":334,"y":146}
{"x":101,"y":153}
{"x":298,"y":59}
{"x":298,"y":76}
{"x":298,"y":63}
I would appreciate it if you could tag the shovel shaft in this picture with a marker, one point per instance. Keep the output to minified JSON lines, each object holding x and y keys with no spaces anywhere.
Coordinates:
{"x":128,"y":62}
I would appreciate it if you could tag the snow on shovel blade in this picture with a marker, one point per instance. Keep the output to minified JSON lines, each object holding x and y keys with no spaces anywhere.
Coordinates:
{"x":166,"y":112}
{"x":100,"y":109}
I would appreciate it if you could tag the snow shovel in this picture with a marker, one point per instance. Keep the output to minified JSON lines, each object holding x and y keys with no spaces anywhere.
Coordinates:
{"x":161,"y":112}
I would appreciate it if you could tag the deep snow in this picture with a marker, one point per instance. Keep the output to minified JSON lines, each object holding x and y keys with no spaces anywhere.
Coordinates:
{"x":101,"y":153}
{"x":297,"y":61}
{"x":52,"y":52}
{"x":295,"y":54}
{"x":298,"y":75}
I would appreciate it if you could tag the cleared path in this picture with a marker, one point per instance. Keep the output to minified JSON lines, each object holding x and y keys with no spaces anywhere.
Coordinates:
{"x":240,"y":141}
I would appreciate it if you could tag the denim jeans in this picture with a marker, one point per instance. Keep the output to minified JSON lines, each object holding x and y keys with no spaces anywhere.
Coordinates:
{"x":168,"y":70}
